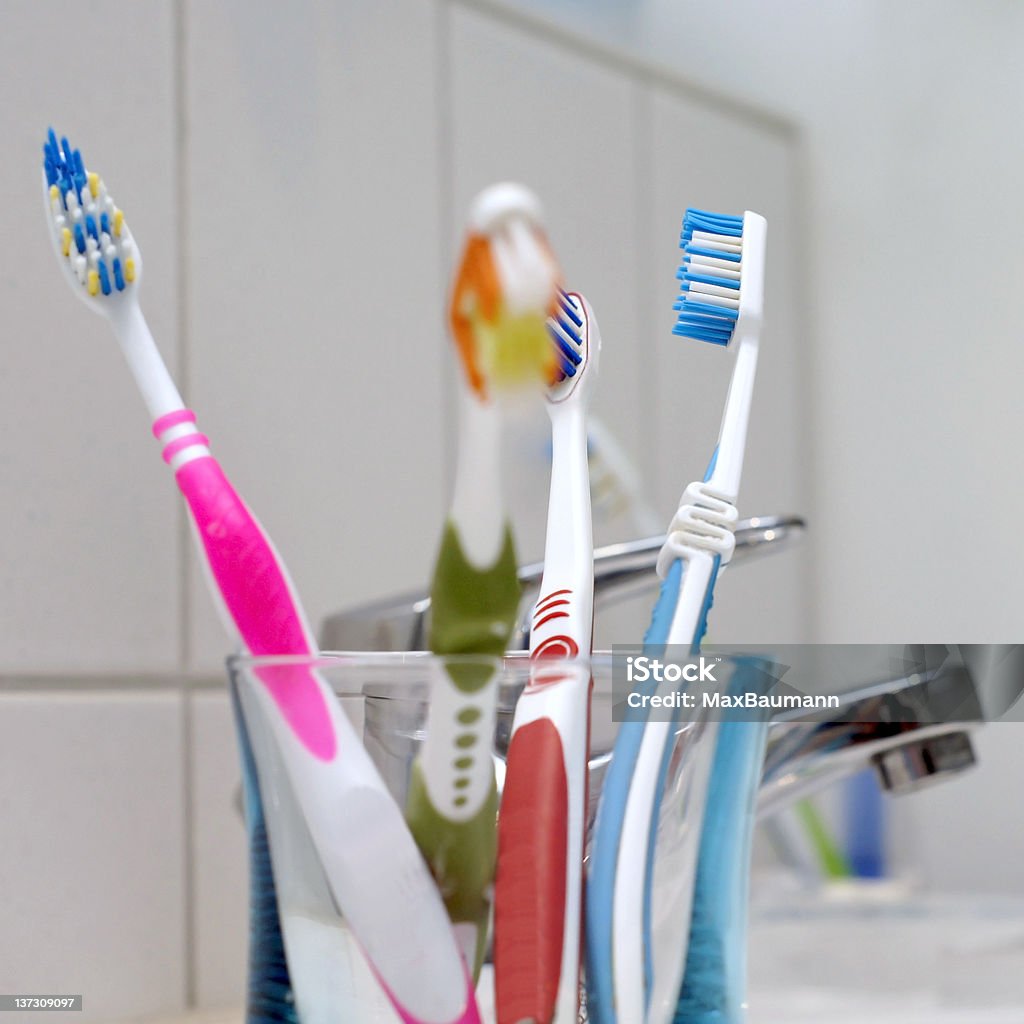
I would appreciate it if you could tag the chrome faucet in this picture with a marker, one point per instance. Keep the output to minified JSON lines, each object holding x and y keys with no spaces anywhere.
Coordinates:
{"x":912,"y":729}
{"x":621,"y":571}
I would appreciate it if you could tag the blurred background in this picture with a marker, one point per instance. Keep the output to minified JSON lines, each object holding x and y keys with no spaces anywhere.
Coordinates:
{"x":298,"y":177}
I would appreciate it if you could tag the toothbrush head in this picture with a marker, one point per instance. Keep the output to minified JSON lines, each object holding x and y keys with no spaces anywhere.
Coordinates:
{"x":504,"y":290}
{"x":577,"y":344}
{"x":102,"y":263}
{"x":722,"y":275}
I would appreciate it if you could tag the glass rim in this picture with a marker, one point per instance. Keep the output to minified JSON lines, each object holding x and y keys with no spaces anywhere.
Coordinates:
{"x":516,"y":659}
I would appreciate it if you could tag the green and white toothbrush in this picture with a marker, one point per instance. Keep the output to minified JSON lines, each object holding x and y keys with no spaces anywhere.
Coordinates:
{"x":505,"y":287}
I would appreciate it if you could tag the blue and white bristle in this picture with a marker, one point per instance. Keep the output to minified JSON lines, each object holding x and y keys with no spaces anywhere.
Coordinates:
{"x":91,"y":231}
{"x":566,"y":330}
{"x":709,"y":297}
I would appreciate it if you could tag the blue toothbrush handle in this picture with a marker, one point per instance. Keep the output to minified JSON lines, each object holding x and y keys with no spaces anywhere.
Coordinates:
{"x":714,"y":985}
{"x":269,"y":997}
{"x":599,"y":919}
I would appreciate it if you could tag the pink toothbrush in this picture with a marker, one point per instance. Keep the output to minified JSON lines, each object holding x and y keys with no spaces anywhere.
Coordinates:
{"x":375,"y":872}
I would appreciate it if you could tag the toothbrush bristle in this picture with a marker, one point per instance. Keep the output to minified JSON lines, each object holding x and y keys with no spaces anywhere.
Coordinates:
{"x":566,"y":330}
{"x":709,"y":295}
{"x":90,"y":229}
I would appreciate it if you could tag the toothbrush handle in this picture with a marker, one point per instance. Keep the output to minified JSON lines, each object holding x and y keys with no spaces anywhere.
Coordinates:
{"x":665,"y":955}
{"x":269,"y":995}
{"x":249,"y":575}
{"x":714,"y":984}
{"x":724,"y":475}
{"x":251,"y":579}
{"x":344,"y":800}
{"x":539,"y":884}
{"x":247,"y":570}
{"x":452,"y":801}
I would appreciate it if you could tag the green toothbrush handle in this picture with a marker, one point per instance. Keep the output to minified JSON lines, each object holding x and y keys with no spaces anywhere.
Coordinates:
{"x":461,"y":855}
{"x":473,"y":610}
{"x":452,"y":804}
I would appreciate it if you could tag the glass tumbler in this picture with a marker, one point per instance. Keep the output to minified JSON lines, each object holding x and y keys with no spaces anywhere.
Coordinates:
{"x":305,"y":966}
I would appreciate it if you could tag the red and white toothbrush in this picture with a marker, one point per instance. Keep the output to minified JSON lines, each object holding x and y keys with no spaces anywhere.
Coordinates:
{"x":538,"y":897}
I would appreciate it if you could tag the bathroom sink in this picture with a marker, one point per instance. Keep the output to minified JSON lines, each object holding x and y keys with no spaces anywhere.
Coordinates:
{"x":864,"y":954}
{"x":879,"y":953}
{"x":815,"y":1007}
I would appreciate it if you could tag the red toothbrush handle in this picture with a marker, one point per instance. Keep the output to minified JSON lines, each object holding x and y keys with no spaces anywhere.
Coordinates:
{"x":531,"y":876}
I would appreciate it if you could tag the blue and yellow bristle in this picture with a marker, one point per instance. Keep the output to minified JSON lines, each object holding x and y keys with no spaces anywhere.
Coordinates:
{"x":91,"y":232}
{"x":709,"y":296}
{"x":566,"y":330}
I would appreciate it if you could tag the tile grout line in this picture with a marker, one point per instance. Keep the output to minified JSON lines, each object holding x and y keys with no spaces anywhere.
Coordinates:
{"x":618,"y":58}
{"x":110,"y":682}
{"x":808,"y":318}
{"x":184,"y":362}
{"x":180,"y":44}
{"x":643,"y":223}
{"x":446,"y":216}
{"x":189,"y":818}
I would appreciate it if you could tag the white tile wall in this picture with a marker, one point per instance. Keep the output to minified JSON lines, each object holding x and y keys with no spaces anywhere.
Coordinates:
{"x":88,"y":536}
{"x":218,"y":848}
{"x":329,"y":152}
{"x":528,"y":109}
{"x":92,"y":860}
{"x":974,"y":807}
{"x":704,"y":157}
{"x":315,"y":290}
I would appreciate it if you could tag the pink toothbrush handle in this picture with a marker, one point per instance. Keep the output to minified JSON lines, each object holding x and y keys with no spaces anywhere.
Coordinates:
{"x":471,"y":1014}
{"x":257,"y":592}
{"x":251,"y":578}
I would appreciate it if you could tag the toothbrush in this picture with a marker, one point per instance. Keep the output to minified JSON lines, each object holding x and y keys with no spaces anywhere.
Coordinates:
{"x":503,"y":291}
{"x":713,"y":988}
{"x":714,"y":985}
{"x":270,"y":995}
{"x":615,"y":485}
{"x":374,"y":870}
{"x":632,"y":975}
{"x":539,"y":888}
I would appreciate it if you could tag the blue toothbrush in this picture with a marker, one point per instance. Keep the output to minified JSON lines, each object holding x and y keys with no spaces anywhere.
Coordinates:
{"x":635,"y":962}
{"x":269,"y":997}
{"x":714,"y":985}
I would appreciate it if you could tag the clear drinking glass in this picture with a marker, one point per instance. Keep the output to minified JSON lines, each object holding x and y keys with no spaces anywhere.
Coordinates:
{"x":386,"y":697}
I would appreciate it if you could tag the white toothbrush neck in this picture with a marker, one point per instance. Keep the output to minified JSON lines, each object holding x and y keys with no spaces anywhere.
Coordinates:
{"x":477,"y":510}
{"x":569,"y":542}
{"x":700,"y":567}
{"x":569,"y":545}
{"x":154,"y":382}
{"x":732,"y":439}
